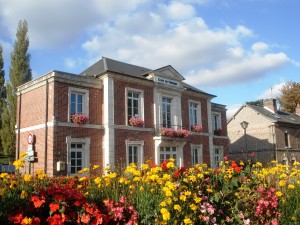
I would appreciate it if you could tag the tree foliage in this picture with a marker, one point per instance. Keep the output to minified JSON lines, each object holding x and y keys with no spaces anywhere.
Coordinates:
{"x":19,"y":73}
{"x":257,"y":103}
{"x":2,"y":89}
{"x":290,"y":96}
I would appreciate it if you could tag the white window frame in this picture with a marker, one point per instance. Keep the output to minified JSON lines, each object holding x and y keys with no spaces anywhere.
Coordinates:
{"x":85,"y":100}
{"x":219,"y":124}
{"x":200,"y":154}
{"x":165,"y":153}
{"x":198,"y":113}
{"x":140,"y":145}
{"x":162,"y":111}
{"x":140,"y":102}
{"x":86,"y":151}
{"x":220,"y":155}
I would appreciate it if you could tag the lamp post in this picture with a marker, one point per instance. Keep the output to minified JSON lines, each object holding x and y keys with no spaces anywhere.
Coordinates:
{"x":244,"y":125}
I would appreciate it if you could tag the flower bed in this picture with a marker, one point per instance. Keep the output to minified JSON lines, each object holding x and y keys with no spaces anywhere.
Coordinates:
{"x":231,"y":194}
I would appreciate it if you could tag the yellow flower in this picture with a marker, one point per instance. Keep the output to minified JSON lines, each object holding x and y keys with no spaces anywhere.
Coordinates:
{"x":83,"y":179}
{"x":209,"y":190}
{"x":182,"y":198}
{"x":19,"y":163}
{"x":13,"y":184}
{"x":23,"y":194}
{"x":188,"y":221}
{"x":95,"y":167}
{"x":28,"y":177}
{"x":177,"y":208}
{"x":165,"y":213}
{"x":187,"y":193}
{"x":23,"y":154}
{"x":282,"y":183}
{"x":193,"y":207}
{"x":279,"y":193}
{"x":142,"y":188}
{"x":291,"y":186}
{"x":27,"y":220}
{"x":163,"y":204}
{"x":97,"y":180}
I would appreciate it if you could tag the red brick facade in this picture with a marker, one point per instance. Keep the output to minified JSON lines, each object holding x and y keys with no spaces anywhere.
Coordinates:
{"x":44,"y":111}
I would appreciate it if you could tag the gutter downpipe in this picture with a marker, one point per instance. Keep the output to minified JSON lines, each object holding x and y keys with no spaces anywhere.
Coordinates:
{"x":19,"y":118}
{"x":46,"y":129}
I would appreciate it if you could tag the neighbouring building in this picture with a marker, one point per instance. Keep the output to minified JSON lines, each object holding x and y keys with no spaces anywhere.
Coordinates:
{"x":110,"y":93}
{"x":271,"y":134}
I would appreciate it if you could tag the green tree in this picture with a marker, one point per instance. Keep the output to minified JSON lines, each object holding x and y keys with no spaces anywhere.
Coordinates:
{"x":290,"y":96}
{"x":19,"y":73}
{"x":257,"y":103}
{"x":2,"y":90}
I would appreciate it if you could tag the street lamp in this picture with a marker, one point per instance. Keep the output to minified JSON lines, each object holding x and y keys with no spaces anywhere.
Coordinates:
{"x":244,"y":125}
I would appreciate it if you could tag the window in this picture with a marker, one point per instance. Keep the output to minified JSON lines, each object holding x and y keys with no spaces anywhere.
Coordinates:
{"x":166,"y":112}
{"x":167,"y":153}
{"x":196,"y":154}
{"x":132,"y":105}
{"x":135,"y":103}
{"x":76,"y":158}
{"x":78,"y":154}
{"x":194,"y":113}
{"x":218,"y":156}
{"x":287,"y":140}
{"x":216,"y":120}
{"x":134,"y":152}
{"x":78,"y":101}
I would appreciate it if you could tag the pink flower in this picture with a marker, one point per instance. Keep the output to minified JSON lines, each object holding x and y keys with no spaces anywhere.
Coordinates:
{"x":136,"y":122}
{"x":247,"y":222}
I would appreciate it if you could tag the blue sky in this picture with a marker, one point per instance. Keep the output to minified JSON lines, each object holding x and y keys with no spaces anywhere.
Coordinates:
{"x":239,"y":50}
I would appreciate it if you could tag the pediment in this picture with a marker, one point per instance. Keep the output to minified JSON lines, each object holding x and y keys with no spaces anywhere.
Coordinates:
{"x":168,"y":72}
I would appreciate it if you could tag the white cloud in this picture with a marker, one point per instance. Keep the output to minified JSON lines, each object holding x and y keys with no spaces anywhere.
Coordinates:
{"x":231,"y":110}
{"x":178,"y":11}
{"x":272,"y":92}
{"x":259,"y":47}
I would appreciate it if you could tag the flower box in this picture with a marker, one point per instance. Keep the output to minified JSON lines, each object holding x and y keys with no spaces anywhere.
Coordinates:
{"x":136,"y":122}
{"x":197,"y":128}
{"x":169,"y":132}
{"x":79,"y":119}
{"x":218,"y":132}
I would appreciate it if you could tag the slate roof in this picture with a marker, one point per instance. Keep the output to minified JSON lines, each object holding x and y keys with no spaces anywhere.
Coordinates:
{"x":277,"y":117}
{"x":111,"y":65}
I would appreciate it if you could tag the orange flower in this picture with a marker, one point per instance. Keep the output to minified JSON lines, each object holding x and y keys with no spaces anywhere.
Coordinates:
{"x":36,"y":201}
{"x":86,"y":218}
{"x":54,"y":207}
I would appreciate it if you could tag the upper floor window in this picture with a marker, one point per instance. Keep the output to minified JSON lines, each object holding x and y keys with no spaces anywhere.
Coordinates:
{"x":216,"y":121}
{"x":194,"y":113}
{"x":134,"y":103}
{"x":78,"y":101}
{"x":166,"y":112}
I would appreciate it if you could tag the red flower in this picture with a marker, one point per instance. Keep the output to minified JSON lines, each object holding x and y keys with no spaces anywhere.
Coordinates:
{"x":55,"y":220}
{"x":152,"y":164}
{"x":36,"y":201}
{"x":164,"y":165}
{"x":176,"y":174}
{"x":16,"y":219}
{"x":54,"y":207}
{"x":86,"y":218}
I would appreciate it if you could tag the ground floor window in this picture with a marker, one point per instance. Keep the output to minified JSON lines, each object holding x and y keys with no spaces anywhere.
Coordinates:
{"x":196,"y":153}
{"x":135,"y":152}
{"x":167,"y":153}
{"x":78,"y":154}
{"x":76,"y":158}
{"x":218,"y":155}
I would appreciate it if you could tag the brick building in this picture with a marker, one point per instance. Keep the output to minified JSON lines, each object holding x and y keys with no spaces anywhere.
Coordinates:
{"x":271,"y":134}
{"x":110,"y":93}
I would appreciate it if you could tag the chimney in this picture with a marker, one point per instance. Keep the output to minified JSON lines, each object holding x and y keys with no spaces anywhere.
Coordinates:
{"x":297,"y":109}
{"x":271,"y":104}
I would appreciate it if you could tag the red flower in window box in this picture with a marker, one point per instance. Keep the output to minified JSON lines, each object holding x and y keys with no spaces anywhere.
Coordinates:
{"x":197,"y":128}
{"x":79,"y":118}
{"x":218,"y":132}
{"x":169,"y":132}
{"x":136,"y":122}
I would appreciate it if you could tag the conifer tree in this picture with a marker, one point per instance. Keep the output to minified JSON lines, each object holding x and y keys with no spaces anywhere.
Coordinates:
{"x":19,"y":73}
{"x":2,"y":90}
